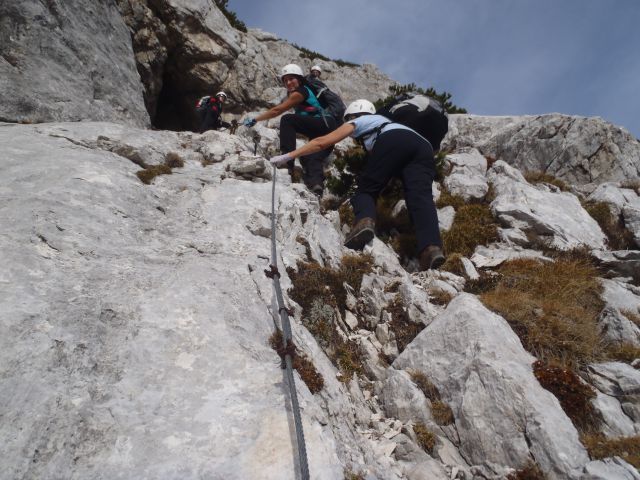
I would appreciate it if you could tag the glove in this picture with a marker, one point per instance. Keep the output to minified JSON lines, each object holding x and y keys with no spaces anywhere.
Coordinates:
{"x":249,"y":122}
{"x":281,"y":159}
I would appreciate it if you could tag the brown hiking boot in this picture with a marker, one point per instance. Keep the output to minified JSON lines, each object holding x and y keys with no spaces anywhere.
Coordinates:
{"x":431,"y":258}
{"x":361,"y":234}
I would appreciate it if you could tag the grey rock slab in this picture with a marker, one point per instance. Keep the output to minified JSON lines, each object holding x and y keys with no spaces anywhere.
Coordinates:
{"x":467,"y":175}
{"x":615,"y":379}
{"x":613,"y":468}
{"x":445,"y":217}
{"x":502,"y":414}
{"x":58,"y":64}
{"x":495,"y":255}
{"x":558,"y":216}
{"x":135,"y":321}
{"x":575,"y":149}
{"x":624,"y":263}
{"x":616,"y":422}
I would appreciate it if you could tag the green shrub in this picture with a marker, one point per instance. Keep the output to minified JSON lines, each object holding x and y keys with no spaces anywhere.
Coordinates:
{"x":444,"y":97}
{"x":231,"y":16}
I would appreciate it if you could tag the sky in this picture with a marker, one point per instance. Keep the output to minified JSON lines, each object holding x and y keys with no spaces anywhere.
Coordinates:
{"x":496,"y":57}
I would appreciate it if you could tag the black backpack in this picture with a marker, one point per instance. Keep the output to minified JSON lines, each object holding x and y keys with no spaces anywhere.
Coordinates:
{"x":329,"y":100}
{"x":423,"y":114}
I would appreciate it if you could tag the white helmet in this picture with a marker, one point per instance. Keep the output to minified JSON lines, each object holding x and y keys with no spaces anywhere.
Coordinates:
{"x":316,"y":67}
{"x":360,"y":106}
{"x":291,"y":69}
{"x":221,"y":94}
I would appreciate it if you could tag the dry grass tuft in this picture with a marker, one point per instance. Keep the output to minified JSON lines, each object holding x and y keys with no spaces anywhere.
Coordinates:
{"x":632,"y":316}
{"x":401,"y":325}
{"x":541,"y":177}
{"x":447,"y":199}
{"x":173,"y":160}
{"x":152,"y":172}
{"x":440,"y":297}
{"x":627,"y":448}
{"x":632,"y":184}
{"x":349,"y":475}
{"x":310,"y":376}
{"x":626,"y":352}
{"x":473,"y":225}
{"x":453,"y":264}
{"x":530,"y":471}
{"x":573,"y":394}
{"x":319,"y":291}
{"x":552,"y":306}
{"x":442,"y":413}
{"x":426,"y":438}
{"x":618,"y":237}
{"x":346,"y":214}
{"x":424,"y":384}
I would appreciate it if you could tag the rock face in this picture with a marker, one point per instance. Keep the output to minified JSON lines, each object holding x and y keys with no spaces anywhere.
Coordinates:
{"x":68,"y":60}
{"x":135,"y":318}
{"x":186,"y":50}
{"x":576,"y":149}
{"x":75,"y":60}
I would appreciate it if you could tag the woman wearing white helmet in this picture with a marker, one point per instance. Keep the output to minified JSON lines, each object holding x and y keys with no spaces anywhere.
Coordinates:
{"x":316,"y":71}
{"x":394,"y":151}
{"x":309,"y":120}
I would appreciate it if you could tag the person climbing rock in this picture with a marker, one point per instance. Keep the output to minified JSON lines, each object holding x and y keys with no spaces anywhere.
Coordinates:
{"x":316,"y":71}
{"x":393,"y":151}
{"x":309,"y":119}
{"x":210,"y":111}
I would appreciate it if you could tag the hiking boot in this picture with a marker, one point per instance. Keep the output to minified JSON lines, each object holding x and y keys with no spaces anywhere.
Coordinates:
{"x":361,"y":234}
{"x":317,"y":189}
{"x":431,"y":258}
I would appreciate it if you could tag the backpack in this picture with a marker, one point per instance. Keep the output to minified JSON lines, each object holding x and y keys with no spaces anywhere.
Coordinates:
{"x":329,"y":100}
{"x":423,"y":114}
{"x":202,"y":105}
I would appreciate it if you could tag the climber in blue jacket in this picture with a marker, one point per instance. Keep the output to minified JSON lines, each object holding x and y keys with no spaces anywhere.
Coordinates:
{"x":394,"y":150}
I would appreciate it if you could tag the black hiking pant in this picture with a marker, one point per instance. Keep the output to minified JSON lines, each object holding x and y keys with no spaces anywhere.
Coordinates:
{"x":211,"y":121}
{"x":404,"y":154}
{"x":311,"y":127}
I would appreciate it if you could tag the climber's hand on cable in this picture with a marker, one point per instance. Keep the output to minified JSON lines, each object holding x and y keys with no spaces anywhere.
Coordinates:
{"x":249,"y":122}
{"x":281,"y":159}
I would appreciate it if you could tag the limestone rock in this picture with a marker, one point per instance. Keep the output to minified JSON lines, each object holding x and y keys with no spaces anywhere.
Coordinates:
{"x":481,"y":370}
{"x":575,"y":149}
{"x":57,"y":64}
{"x":518,"y":202}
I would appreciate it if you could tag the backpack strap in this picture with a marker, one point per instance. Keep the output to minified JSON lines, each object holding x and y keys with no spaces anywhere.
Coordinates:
{"x":378,"y":130}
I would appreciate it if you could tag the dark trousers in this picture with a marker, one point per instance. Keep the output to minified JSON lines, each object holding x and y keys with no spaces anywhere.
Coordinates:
{"x":401,"y":153}
{"x":311,"y":127}
{"x":211,"y":121}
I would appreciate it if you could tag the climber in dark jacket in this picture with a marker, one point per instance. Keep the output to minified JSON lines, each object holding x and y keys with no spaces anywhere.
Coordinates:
{"x":210,"y":111}
{"x":309,"y":120}
{"x":394,"y":151}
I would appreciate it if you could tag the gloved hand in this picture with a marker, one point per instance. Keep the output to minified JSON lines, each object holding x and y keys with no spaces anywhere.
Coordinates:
{"x":249,"y":122}
{"x":281,"y":159}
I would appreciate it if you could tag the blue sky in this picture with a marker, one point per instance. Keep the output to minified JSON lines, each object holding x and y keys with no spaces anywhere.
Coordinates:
{"x":496,"y":57}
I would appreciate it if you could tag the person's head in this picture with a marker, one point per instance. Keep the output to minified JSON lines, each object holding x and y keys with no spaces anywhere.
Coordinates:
{"x":221,"y":96}
{"x":292,"y":77}
{"x":358,"y":108}
{"x":316,"y":71}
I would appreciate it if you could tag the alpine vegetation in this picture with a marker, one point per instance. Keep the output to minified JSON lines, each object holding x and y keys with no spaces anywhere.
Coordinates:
{"x":150,"y":260}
